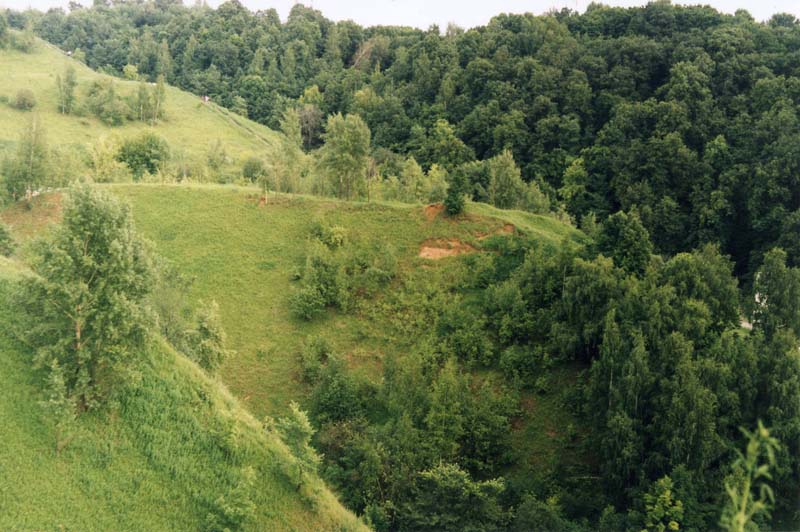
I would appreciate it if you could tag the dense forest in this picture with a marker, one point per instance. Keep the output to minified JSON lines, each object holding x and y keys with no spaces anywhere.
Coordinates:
{"x":667,"y":134}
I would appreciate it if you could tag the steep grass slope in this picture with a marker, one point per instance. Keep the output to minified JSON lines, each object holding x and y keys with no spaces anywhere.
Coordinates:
{"x":189,"y":126}
{"x":172,"y":451}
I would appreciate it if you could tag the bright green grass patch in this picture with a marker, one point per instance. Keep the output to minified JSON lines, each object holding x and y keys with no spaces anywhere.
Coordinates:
{"x":189,"y":125}
{"x":242,"y":255}
{"x":156,"y":458}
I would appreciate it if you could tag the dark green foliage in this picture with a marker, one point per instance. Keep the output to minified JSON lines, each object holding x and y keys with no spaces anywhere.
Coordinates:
{"x":7,"y":243}
{"x":25,"y":100}
{"x":623,"y":238}
{"x":457,"y":191}
{"x":645,"y":109}
{"x":336,"y":272}
{"x":447,"y":499}
{"x":776,"y":293}
{"x":145,"y":153}
{"x":670,"y":379}
{"x":463,"y":335}
{"x":338,"y":395}
{"x":533,"y":514}
{"x":254,"y":169}
{"x":104,"y":102}
{"x":85,"y":307}
{"x":666,"y":130}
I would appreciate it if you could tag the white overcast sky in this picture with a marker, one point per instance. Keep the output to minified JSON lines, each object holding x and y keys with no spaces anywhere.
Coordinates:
{"x":465,"y":13}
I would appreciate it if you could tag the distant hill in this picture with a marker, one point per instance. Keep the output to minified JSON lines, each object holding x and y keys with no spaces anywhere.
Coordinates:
{"x":190,"y":125}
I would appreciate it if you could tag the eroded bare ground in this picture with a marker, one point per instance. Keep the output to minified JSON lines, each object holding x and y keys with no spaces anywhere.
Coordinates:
{"x":433,"y":211}
{"x":439,"y":248}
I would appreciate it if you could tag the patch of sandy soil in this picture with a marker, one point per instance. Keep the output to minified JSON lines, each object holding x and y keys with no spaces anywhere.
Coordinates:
{"x":507,"y":229}
{"x":435,"y":249}
{"x":433,"y":210}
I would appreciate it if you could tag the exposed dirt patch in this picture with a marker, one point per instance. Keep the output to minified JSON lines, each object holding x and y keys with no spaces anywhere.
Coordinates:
{"x":439,"y":248}
{"x":433,"y":211}
{"x":507,"y":229}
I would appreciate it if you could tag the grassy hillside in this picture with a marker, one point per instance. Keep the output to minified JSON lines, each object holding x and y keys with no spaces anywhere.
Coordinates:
{"x":242,"y":255}
{"x":189,"y":126}
{"x":171,"y":448}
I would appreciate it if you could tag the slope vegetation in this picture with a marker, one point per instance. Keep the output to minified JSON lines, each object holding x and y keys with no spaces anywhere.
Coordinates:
{"x":242,"y":255}
{"x":172,"y":451}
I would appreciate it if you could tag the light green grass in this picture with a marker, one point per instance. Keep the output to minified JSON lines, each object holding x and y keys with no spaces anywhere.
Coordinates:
{"x":189,"y":126}
{"x":153,"y":459}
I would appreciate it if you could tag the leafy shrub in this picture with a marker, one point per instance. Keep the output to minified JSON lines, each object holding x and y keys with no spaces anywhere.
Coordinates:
{"x":102,"y":100}
{"x":146,"y":153}
{"x":25,"y":100}
{"x":231,"y":510}
{"x":533,"y":514}
{"x":208,"y":339}
{"x":306,"y":303}
{"x":7,"y":244}
{"x":338,"y":394}
{"x":253,"y":169}
{"x":332,"y":236}
{"x":314,"y":355}
{"x":335,"y":273}
{"x":23,"y":41}
{"x":455,"y":199}
{"x":296,"y":431}
{"x":463,"y":334}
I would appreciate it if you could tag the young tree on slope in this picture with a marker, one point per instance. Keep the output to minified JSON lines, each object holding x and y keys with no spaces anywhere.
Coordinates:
{"x":346,"y":154}
{"x":86,"y":303}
